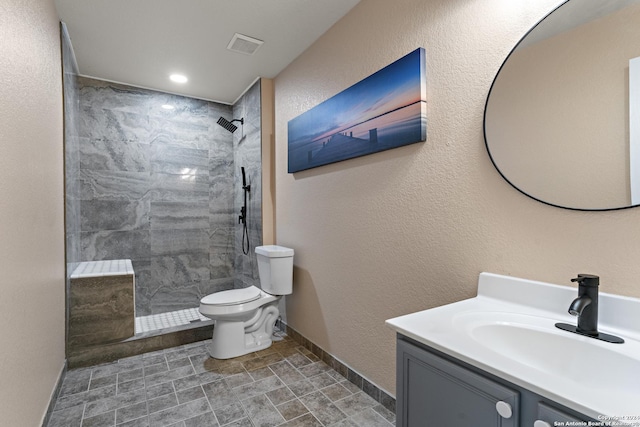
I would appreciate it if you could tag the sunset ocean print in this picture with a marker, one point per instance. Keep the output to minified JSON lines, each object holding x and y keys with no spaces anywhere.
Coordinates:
{"x":386,"y":110}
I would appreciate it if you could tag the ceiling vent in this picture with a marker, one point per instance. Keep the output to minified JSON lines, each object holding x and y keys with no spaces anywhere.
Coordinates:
{"x":244,"y":44}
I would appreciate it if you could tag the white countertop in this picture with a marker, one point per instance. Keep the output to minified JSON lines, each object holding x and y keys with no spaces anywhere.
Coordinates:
{"x":537,"y":306}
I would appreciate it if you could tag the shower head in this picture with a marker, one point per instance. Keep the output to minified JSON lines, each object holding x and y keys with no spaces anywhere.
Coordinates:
{"x":228,"y":125}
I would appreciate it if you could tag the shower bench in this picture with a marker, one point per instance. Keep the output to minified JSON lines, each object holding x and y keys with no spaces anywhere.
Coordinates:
{"x":101,"y":303}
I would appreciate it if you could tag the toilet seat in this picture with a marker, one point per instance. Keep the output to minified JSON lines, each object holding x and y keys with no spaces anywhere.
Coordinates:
{"x":235,"y":302}
{"x":232,"y":297}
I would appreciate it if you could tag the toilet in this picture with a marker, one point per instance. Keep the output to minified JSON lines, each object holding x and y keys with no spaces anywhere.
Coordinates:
{"x":244,"y":318}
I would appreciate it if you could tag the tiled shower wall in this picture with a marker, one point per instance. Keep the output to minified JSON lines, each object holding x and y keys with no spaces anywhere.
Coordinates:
{"x":248,"y":154}
{"x":157,"y":186}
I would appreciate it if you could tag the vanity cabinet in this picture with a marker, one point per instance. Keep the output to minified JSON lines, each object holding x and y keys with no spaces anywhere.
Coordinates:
{"x":437,"y":390}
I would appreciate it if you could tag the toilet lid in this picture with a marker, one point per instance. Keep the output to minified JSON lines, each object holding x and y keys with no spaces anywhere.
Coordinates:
{"x":232,"y":297}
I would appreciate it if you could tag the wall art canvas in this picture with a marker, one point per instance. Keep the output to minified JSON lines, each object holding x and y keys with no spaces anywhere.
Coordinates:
{"x":386,"y":110}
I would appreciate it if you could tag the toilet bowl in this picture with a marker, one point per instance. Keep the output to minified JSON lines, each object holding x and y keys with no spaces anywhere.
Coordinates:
{"x":245,"y":318}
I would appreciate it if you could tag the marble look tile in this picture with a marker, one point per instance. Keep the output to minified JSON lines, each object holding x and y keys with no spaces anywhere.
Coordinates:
{"x":131,"y":412}
{"x":221,"y":168}
{"x":336,"y":392}
{"x":101,"y":310}
{"x":346,"y":423}
{"x":292,"y":409}
{"x":307,"y":420}
{"x":370,"y":418}
{"x":164,"y":402}
{"x":160,"y":389}
{"x":216,"y":110}
{"x":115,"y":402}
{"x":190,"y":394}
{"x":189,"y":135}
{"x":171,"y":375}
{"x":221,"y":205}
{"x":185,"y":109}
{"x":179,"y":242}
{"x":75,"y":381}
{"x":221,"y":267}
{"x":115,"y":155}
{"x":280,"y":395}
{"x":103,"y":381}
{"x":262,"y":412}
{"x":130,"y":244}
{"x":229,"y":413}
{"x":115,"y":125}
{"x":177,"y":160}
{"x":321,"y":381}
{"x":179,"y":188}
{"x":181,"y":270}
{"x":356,"y":403}
{"x":139,"y":422}
{"x":130,"y":375}
{"x":385,"y":413}
{"x":103,"y":420}
{"x":322,"y":408}
{"x":69,"y":417}
{"x":287,"y":373}
{"x":261,"y":373}
{"x":258,"y":387}
{"x":108,"y":369}
{"x":203,"y":420}
{"x":113,"y":96}
{"x":179,"y":413}
{"x":114,"y":185}
{"x":97,"y":215}
{"x":179,"y":215}
{"x":219,"y":394}
{"x":130,"y":385}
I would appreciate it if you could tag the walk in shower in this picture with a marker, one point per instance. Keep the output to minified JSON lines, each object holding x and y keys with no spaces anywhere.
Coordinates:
{"x":152,"y":177}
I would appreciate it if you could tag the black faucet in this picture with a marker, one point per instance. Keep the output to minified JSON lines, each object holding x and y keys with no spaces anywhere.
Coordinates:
{"x":585,"y":307}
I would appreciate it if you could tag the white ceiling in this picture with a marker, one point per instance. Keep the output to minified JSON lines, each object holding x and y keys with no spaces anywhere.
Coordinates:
{"x":142,"y":42}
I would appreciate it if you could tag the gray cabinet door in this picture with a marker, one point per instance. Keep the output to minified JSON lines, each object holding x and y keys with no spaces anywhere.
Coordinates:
{"x":434,"y":392}
{"x":554,"y":416}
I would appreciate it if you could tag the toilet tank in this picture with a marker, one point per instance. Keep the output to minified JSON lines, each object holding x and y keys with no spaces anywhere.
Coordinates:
{"x":275,"y":267}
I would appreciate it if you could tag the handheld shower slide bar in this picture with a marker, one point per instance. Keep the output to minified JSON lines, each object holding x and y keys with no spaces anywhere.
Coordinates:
{"x":243,"y":214}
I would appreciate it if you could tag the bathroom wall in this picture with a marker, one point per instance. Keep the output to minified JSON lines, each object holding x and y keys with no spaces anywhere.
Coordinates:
{"x":31,"y":210}
{"x":157,"y":187}
{"x":247,"y":142}
{"x":411,"y":228}
{"x":566,"y":64}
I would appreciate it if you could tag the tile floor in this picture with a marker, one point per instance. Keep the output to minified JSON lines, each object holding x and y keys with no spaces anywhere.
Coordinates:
{"x":284,"y":385}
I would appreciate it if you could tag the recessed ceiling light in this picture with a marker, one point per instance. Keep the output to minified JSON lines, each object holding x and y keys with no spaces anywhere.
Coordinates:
{"x":168,"y":107}
{"x":178,"y":78}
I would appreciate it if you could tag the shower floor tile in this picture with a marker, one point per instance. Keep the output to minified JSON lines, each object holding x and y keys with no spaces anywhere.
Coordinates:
{"x":170,"y":319}
{"x":183,"y":386}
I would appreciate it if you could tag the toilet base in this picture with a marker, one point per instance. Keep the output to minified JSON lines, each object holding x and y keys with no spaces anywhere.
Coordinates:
{"x":233,"y":338}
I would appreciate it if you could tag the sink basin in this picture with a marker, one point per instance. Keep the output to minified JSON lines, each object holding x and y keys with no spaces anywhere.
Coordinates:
{"x":535,"y":342}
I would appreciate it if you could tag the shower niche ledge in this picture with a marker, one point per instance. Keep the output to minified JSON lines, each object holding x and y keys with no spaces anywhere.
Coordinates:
{"x":101,"y":303}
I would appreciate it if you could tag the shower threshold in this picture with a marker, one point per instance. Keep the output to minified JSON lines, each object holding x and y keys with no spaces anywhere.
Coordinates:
{"x":170,"y":321}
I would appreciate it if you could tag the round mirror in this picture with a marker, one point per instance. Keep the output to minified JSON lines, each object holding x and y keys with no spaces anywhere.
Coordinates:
{"x":562,"y":120}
